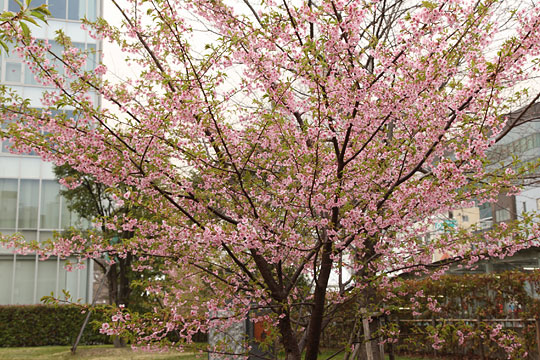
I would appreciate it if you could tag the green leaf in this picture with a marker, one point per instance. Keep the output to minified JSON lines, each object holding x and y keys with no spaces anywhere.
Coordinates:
{"x":20,"y":3}
{"x":30,"y":19}
{"x":39,"y":15}
{"x":4,"y":45}
{"x":429,"y":4}
{"x":43,"y":9}
{"x":25,"y":29}
{"x":7,"y":15}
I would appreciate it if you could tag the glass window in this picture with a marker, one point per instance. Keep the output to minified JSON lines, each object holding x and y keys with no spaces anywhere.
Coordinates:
{"x":6,"y":277}
{"x":4,"y":249}
{"x":485,"y":211}
{"x":50,"y":205}
{"x":12,"y":54}
{"x":6,"y":145}
{"x":56,"y":49}
{"x":8,"y":203}
{"x":74,"y":9}
{"x":92,"y":10}
{"x":29,"y":235}
{"x":28,"y":204}
{"x":66,"y":220}
{"x":530,"y":142}
{"x":58,"y":8}
{"x":45,"y":235}
{"x":502,"y":215}
{"x":13,"y":72}
{"x":23,"y":288}
{"x":79,"y":46}
{"x":62,"y":278}
{"x":13,"y":6}
{"x":29,"y":77}
{"x":91,"y":62}
{"x":46,"y":278}
{"x":83,"y":283}
{"x":72,"y":281}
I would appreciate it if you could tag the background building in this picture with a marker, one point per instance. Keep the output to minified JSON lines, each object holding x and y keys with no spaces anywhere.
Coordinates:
{"x":30,"y":203}
{"x":523,"y":142}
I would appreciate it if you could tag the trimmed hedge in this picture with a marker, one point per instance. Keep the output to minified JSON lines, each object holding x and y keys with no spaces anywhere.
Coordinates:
{"x":41,"y":325}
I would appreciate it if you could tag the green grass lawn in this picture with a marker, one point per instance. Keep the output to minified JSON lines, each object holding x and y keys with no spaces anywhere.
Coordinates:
{"x":108,"y":352}
{"x":326,"y":353}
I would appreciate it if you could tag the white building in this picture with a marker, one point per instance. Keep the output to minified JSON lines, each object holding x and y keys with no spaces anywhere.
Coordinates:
{"x":30,"y":203}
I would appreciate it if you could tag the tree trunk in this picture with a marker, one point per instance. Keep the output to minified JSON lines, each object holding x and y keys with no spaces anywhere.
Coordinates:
{"x":288,"y":337}
{"x":112,"y":285}
{"x":124,"y":289}
{"x":114,"y":298}
{"x":315,"y":323}
{"x":119,"y":342}
{"x":123,"y":292}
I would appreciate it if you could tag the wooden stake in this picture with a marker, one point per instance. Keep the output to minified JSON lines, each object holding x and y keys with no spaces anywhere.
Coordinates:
{"x":89,"y":311}
{"x":367,"y":334}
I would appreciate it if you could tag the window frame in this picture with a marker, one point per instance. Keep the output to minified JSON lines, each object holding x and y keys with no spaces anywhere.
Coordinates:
{"x":90,"y":49}
{"x":85,"y":4}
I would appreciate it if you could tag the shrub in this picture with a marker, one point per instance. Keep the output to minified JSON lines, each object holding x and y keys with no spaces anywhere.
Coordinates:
{"x":41,"y":325}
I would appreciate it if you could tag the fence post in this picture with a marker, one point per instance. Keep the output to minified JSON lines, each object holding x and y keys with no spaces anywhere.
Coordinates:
{"x":390,"y":343}
{"x":537,"y":321}
{"x":434,"y":324}
{"x":481,"y":343}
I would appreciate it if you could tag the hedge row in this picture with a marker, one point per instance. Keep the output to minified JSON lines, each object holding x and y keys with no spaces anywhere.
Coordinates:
{"x":40,"y":325}
{"x":454,"y":315}
{"x":481,"y":297}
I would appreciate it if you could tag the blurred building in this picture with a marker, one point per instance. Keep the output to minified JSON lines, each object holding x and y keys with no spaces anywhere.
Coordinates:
{"x":30,"y":203}
{"x":522,"y":142}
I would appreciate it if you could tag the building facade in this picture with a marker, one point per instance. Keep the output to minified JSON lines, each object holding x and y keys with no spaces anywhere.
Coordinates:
{"x":522,"y":142}
{"x":30,"y":202}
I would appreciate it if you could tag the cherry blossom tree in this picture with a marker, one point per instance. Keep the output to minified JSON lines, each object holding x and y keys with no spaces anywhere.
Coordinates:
{"x":26,"y":15}
{"x":286,"y":142}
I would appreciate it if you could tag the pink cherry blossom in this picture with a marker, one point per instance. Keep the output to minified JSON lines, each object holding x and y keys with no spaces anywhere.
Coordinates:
{"x":294,"y":157}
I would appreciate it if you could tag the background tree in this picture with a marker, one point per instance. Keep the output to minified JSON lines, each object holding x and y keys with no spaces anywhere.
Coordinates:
{"x":293,"y":139}
{"x":96,"y":202}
